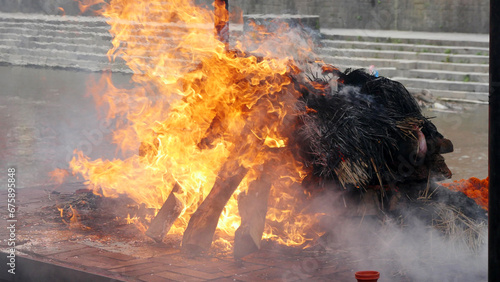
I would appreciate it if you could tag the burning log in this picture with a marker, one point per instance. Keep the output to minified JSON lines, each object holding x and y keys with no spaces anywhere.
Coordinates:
{"x":221,"y":21}
{"x":214,"y":131}
{"x":167,"y":215}
{"x":253,"y":208}
{"x":201,"y":227}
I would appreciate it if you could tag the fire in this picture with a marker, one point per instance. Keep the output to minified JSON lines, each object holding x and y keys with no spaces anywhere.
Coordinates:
{"x":131,"y":220}
{"x":61,"y":10}
{"x":474,"y":188}
{"x":58,"y":175}
{"x":74,"y":220}
{"x":61,"y":211}
{"x":193,"y":105}
{"x":86,"y":4}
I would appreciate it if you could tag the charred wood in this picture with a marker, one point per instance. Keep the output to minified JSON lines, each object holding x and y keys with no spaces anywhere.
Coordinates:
{"x":252,"y":206}
{"x":214,"y":131}
{"x":201,"y":227}
{"x":166,"y":217}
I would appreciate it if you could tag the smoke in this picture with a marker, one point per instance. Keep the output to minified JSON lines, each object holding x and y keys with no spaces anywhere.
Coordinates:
{"x":443,"y":239}
{"x":449,"y":247}
{"x":282,"y":37}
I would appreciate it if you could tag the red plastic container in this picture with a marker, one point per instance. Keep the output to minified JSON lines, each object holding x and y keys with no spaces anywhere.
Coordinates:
{"x":367,"y":276}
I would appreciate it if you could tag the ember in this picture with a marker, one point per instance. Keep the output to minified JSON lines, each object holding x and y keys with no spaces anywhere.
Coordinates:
{"x":474,"y":188}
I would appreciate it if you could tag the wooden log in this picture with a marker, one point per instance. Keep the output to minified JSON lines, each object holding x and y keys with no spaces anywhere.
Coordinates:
{"x":252,"y":206}
{"x":201,"y":227}
{"x":202,"y":224}
{"x":214,"y":131}
{"x":166,"y":217}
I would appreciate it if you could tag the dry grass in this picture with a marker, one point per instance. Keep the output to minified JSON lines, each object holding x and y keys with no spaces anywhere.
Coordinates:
{"x":458,"y":228}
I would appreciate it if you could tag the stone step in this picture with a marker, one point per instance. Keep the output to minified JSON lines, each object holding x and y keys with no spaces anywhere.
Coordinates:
{"x":87,"y":24}
{"x":69,"y":59}
{"x":78,"y":37}
{"x":391,"y":72}
{"x":75,"y":45}
{"x":80,"y":30}
{"x":34,"y":19}
{"x":405,"y":55}
{"x":52,"y":32}
{"x":457,"y":67}
{"x":56,"y":38}
{"x":421,"y":83}
{"x":56,"y":53}
{"x":407,"y":37}
{"x":479,"y":96}
{"x":59,"y":25}
{"x":404,"y":65}
{"x":449,"y":68}
{"x":90,"y":48}
{"x":59,"y":37}
{"x":418,"y":48}
{"x":30,"y":43}
{"x":449,"y":75}
{"x":34,"y":59}
{"x":386,"y":71}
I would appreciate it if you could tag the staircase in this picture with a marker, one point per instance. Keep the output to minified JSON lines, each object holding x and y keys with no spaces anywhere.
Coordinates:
{"x":450,"y":67}
{"x":53,"y":41}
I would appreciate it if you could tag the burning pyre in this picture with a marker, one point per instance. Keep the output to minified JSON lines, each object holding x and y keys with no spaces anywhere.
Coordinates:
{"x":226,"y":138}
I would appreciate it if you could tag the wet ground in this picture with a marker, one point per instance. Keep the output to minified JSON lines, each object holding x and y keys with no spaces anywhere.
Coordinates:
{"x":468,"y":130}
{"x":45,"y":114}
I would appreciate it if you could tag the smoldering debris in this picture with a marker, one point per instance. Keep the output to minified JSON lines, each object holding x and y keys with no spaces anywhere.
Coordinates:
{"x":373,"y":161}
{"x":434,"y":238}
{"x":368,"y":131}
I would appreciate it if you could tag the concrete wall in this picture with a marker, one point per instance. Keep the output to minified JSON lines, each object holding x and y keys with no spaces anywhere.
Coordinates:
{"x":471,"y":16}
{"x":47,"y":7}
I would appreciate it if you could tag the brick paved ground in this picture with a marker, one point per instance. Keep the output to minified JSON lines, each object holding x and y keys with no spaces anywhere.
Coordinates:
{"x":42,"y":236}
{"x":103,"y":248}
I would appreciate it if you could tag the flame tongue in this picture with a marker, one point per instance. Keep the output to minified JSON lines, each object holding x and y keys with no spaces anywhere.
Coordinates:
{"x":211,"y":108}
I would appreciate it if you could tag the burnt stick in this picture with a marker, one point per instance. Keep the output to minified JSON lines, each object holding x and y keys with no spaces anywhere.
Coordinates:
{"x":166,"y":217}
{"x":201,"y":227}
{"x":252,"y":206}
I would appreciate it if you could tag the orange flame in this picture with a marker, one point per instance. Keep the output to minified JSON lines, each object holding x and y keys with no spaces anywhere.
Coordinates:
{"x":131,"y":220}
{"x":190,"y":103}
{"x":61,"y":10}
{"x":58,"y":175}
{"x":474,"y":188}
{"x":84,"y":5}
{"x":74,"y":221}
{"x":61,"y":211}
